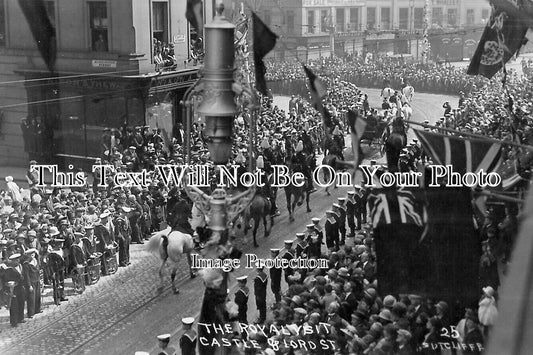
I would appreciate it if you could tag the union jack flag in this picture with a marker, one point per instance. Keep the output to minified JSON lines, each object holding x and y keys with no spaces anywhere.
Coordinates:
{"x":465,"y":154}
{"x":393,"y":206}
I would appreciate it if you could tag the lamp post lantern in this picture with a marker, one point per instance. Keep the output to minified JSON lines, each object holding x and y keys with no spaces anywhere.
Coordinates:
{"x":216,"y":97}
{"x":218,"y":105}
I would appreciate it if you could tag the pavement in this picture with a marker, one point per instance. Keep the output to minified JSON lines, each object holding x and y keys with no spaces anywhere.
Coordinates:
{"x":124,"y":312}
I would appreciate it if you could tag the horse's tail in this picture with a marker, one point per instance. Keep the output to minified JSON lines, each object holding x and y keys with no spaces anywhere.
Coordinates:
{"x":155,"y":240}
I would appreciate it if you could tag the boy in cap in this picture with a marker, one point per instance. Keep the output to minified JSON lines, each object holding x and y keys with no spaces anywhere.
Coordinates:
{"x":164,"y":349}
{"x":241,"y":298}
{"x":188,"y":339}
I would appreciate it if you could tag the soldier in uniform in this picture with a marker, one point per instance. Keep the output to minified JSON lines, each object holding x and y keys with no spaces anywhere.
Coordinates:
{"x":364,"y":197}
{"x":313,"y":243}
{"x":241,"y":299}
{"x":337,"y":215}
{"x":78,"y":222}
{"x":359,"y":207}
{"x":31,"y":273}
{"x":105,"y":230}
{"x":59,"y":284}
{"x":318,"y":229}
{"x":260,"y":288}
{"x":90,"y":241}
{"x":350,"y":212}
{"x":188,"y":339}
{"x":287,"y":253}
{"x":275,"y":277}
{"x":164,"y":349}
{"x":332,"y":230}
{"x":300,"y":164}
{"x":14,"y":281}
{"x":342,"y":218}
{"x":266,"y":190}
{"x":301,"y":245}
{"x":123,"y":235}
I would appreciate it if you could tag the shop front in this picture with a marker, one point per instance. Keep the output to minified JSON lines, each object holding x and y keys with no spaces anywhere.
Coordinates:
{"x":74,"y":113}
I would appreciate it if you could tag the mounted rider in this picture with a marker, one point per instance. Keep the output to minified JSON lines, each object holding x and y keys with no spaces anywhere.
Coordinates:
{"x":338,"y":143}
{"x":394,"y":143}
{"x":265,"y":190}
{"x":398,"y":125}
{"x":300,"y":164}
{"x":308,"y":147}
{"x":264,"y":162}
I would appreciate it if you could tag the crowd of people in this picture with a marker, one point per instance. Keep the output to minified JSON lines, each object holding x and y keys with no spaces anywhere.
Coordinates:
{"x":287,"y":76}
{"x":338,"y":309}
{"x":98,"y":220}
{"x":340,"y":303}
{"x":164,"y":58}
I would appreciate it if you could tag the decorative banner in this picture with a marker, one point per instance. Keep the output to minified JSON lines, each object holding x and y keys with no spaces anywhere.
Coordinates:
{"x":426,"y":46}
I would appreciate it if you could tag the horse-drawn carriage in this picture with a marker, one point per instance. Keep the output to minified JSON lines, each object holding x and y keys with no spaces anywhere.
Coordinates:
{"x":374,"y":131}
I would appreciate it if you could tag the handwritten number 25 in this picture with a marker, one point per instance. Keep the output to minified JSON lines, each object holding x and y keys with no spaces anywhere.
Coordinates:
{"x":453,"y":333}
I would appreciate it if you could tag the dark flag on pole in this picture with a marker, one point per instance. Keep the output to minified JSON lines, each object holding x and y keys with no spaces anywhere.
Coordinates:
{"x":502,"y":38}
{"x":316,"y":88}
{"x":194,"y":15}
{"x":318,"y":91}
{"x":357,"y":128}
{"x":426,"y":243}
{"x":264,"y":42}
{"x":398,"y":219}
{"x":455,"y":244}
{"x":42,"y":30}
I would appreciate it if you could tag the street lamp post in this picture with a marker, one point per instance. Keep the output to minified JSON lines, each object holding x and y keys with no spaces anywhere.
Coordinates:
{"x":215,"y":92}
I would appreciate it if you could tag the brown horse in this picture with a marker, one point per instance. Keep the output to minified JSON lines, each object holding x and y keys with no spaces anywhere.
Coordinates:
{"x":330,"y":160}
{"x":258,"y":210}
{"x":295,"y":195}
{"x":394,"y":143}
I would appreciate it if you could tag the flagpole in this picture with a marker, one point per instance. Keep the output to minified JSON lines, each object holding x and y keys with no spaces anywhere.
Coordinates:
{"x":473,"y":135}
{"x":511,"y":333}
{"x":500,"y":197}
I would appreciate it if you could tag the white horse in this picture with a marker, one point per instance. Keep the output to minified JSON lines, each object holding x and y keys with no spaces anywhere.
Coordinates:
{"x":387,"y":93}
{"x":407,"y":93}
{"x":171,"y":245}
{"x":407,"y":111}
